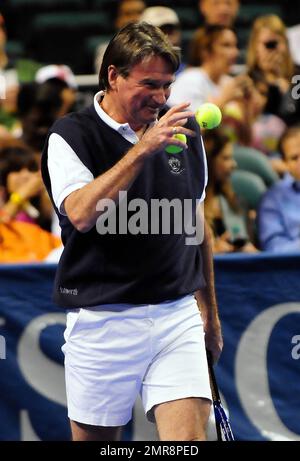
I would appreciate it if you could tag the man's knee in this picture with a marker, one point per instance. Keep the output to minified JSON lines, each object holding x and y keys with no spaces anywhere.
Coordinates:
{"x":183,"y":420}
{"x":86,"y":432}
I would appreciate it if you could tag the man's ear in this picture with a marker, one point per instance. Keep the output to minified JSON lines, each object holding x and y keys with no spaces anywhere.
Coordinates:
{"x":113,"y":74}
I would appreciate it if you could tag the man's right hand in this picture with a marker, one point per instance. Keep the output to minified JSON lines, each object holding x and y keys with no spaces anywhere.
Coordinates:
{"x":160,"y":135}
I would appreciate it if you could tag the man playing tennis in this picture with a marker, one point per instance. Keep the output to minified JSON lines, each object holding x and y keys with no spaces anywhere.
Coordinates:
{"x":133,"y":324}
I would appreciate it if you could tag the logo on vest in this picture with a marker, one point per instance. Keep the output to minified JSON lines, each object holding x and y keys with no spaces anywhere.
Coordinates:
{"x":175,"y":165}
{"x":68,"y":291}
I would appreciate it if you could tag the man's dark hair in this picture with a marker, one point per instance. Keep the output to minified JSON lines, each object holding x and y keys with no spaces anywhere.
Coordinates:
{"x":132,"y":44}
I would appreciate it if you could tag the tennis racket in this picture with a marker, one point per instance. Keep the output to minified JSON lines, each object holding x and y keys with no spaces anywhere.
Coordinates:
{"x":223,"y":428}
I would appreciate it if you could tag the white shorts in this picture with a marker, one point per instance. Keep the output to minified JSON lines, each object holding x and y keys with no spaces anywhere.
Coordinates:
{"x":114,"y":352}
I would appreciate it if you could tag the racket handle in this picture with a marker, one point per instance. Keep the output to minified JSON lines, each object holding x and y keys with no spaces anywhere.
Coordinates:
{"x":214,"y":385}
{"x":214,"y":391}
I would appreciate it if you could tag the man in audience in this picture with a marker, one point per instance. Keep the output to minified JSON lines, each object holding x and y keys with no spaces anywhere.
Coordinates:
{"x":166,"y":19}
{"x":278,"y":216}
{"x":127,"y":11}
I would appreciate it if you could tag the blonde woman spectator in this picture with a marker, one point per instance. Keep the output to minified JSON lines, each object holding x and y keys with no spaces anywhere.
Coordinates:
{"x":269,"y":58}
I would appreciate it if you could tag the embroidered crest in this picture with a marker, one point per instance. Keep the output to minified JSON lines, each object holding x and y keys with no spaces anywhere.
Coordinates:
{"x":175,"y":165}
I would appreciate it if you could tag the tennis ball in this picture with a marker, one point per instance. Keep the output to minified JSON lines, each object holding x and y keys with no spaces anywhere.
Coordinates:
{"x":171,"y":149}
{"x":208,"y":116}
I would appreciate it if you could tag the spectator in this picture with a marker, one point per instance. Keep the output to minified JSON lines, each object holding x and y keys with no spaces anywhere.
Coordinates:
{"x":213,"y":51}
{"x":225,"y":215}
{"x":279,"y":217}
{"x":39,"y":105}
{"x":21,"y":240}
{"x":269,"y":58}
{"x":127,"y":11}
{"x":9,"y":87}
{"x":221,"y":12}
{"x":62,"y":79}
{"x":254,"y":128}
{"x":3,"y":55}
{"x":166,"y":19}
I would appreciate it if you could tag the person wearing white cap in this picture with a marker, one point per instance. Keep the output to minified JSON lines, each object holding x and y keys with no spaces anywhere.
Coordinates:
{"x":58,"y":71}
{"x":63,"y":80}
{"x":166,"y":19}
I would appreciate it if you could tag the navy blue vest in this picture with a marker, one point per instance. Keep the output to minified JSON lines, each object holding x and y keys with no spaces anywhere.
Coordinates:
{"x":124,"y":268}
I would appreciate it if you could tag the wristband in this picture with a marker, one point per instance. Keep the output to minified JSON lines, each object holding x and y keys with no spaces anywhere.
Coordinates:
{"x":16,"y":198}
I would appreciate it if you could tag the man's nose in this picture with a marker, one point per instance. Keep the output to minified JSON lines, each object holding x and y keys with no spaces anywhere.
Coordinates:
{"x":160,"y":96}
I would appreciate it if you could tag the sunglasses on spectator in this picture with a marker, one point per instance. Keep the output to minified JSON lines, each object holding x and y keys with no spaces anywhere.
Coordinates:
{"x":271,"y":44}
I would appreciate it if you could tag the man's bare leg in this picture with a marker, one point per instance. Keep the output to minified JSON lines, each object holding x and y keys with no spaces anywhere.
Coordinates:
{"x":183,"y":420}
{"x":84,"y":433}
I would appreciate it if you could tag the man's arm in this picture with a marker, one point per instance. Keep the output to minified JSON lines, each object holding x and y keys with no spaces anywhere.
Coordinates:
{"x":80,"y":205}
{"x":206,"y":299}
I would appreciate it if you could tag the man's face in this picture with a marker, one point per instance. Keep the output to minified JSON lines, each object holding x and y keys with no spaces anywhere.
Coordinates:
{"x":138,"y":98}
{"x":221,"y":12}
{"x":291,"y":148}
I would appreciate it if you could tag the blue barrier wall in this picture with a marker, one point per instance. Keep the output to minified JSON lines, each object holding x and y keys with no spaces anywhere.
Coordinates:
{"x":259,"y":371}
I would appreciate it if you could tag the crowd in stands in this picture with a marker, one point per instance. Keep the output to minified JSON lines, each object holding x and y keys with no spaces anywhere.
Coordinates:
{"x":253,"y":193}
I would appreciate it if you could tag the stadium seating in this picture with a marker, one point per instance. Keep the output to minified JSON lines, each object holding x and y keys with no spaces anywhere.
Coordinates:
{"x":249,"y":187}
{"x":253,"y":160}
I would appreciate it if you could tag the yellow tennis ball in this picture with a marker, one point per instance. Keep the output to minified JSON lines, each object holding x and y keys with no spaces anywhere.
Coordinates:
{"x":208,"y":115}
{"x":171,"y":149}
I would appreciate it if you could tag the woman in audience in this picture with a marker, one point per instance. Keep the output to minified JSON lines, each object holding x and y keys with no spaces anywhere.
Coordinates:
{"x":21,"y":240}
{"x":262,"y":131}
{"x":39,"y":105}
{"x":34,"y":205}
{"x":269,"y":59}
{"x":227,"y":218}
{"x":213,"y":51}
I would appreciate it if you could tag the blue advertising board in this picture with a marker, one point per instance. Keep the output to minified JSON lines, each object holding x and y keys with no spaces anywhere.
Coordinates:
{"x":258,"y":373}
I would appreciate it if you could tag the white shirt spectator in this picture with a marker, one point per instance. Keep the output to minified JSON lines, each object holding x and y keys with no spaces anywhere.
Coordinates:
{"x":194,"y":85}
